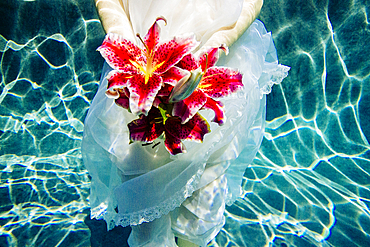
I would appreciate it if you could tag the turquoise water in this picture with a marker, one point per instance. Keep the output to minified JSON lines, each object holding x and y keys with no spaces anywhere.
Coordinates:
{"x":308,"y":186}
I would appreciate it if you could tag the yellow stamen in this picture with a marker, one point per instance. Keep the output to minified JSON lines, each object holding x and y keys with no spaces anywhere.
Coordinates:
{"x":142,"y":41}
{"x":206,"y":62}
{"x":149,"y":54}
{"x":205,"y":77}
{"x":204,"y":85}
{"x":137,"y":66}
{"x":147,"y":76}
{"x":157,"y":66}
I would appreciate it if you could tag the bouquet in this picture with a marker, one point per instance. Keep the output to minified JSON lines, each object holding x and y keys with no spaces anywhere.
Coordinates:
{"x":166,"y":85}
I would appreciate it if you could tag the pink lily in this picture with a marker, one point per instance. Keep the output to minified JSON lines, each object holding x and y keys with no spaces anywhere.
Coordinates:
{"x":143,"y":71}
{"x":150,"y":127}
{"x":205,"y":83}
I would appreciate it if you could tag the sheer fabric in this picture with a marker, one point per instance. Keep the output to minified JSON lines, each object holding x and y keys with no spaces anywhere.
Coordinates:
{"x":145,"y":183}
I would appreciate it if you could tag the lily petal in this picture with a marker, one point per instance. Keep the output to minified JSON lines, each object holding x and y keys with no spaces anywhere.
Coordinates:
{"x":118,"y":79}
{"x":188,"y":107}
{"x":198,"y":126}
{"x":152,"y":37}
{"x":218,"y":108}
{"x":171,"y":52}
{"x":194,"y":129}
{"x":121,"y":54}
{"x":220,"y":81}
{"x":142,"y":94}
{"x":123,"y":100}
{"x":173,"y":75}
{"x":173,"y":145}
{"x":162,"y":95}
{"x":165,"y":90}
{"x":157,"y":101}
{"x":174,"y":133}
{"x":146,"y":128}
{"x":210,"y":57}
{"x":189,"y":62}
{"x":174,"y":128}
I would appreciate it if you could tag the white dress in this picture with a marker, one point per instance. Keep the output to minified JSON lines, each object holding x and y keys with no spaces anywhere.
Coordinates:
{"x":182,"y":195}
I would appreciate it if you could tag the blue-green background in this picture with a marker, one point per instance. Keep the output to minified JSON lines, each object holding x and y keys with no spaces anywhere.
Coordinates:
{"x":308,"y":186}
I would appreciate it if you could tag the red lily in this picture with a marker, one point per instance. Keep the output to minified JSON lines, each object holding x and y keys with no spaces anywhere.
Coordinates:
{"x":150,"y":127}
{"x":143,"y":70}
{"x":205,"y":83}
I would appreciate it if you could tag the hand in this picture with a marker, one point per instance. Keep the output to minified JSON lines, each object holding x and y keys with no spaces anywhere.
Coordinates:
{"x":250,"y":11}
{"x":115,"y":20}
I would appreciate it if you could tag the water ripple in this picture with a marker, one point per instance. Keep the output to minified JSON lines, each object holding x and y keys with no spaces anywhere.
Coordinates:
{"x":308,"y":186}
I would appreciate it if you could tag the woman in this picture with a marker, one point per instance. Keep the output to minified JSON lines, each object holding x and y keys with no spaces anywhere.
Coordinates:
{"x":159,"y":194}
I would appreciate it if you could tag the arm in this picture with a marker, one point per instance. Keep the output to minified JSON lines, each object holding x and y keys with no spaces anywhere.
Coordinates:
{"x":115,"y":20}
{"x":250,"y":11}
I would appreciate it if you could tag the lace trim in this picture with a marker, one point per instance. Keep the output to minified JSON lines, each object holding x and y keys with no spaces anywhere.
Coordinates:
{"x":163,"y":208}
{"x":276,"y":76}
{"x":99,"y":211}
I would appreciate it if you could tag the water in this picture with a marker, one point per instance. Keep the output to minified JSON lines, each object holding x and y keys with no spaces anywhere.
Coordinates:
{"x":308,"y":186}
